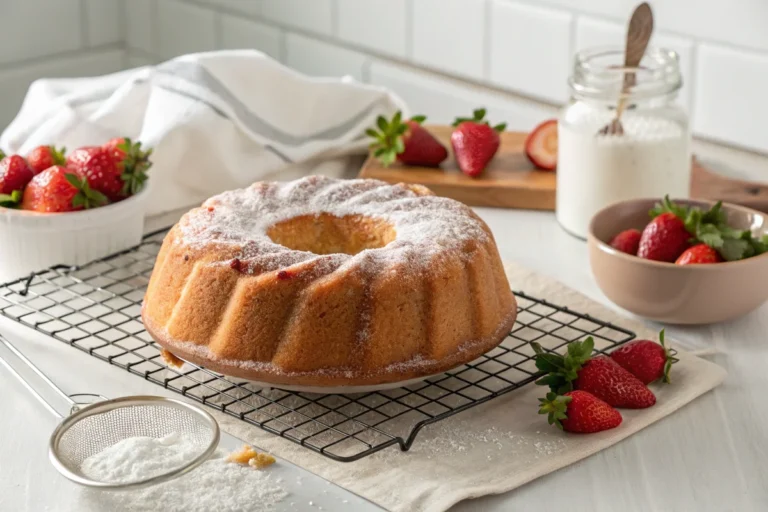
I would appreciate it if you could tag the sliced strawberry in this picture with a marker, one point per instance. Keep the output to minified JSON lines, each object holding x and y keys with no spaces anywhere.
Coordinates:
{"x":541,"y":145}
{"x":43,"y":157}
{"x":58,"y":189}
{"x":405,"y":141}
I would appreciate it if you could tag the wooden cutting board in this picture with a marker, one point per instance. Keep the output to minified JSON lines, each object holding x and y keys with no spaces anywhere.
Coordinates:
{"x":510,"y":181}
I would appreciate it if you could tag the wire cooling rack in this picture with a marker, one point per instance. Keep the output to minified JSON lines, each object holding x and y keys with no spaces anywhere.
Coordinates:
{"x":96,"y":308}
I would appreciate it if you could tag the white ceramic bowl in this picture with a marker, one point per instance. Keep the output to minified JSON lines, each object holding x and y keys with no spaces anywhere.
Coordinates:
{"x":31,"y":241}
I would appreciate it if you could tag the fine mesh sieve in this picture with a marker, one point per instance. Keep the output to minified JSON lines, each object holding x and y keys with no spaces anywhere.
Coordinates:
{"x":98,"y":426}
{"x":93,"y":423}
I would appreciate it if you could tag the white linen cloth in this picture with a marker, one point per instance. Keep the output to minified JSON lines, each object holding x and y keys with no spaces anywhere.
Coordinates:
{"x":217,"y":120}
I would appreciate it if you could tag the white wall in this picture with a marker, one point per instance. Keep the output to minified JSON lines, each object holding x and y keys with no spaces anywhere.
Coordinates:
{"x":55,"y":38}
{"x":443,"y":56}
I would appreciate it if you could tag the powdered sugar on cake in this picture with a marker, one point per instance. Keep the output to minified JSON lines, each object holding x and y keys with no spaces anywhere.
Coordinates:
{"x":424,"y":225}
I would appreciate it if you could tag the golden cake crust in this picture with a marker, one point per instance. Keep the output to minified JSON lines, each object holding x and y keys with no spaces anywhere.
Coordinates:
{"x":322,"y":282}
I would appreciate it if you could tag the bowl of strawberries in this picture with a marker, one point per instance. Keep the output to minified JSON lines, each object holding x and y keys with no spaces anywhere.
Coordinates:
{"x":681,"y":262}
{"x":59,"y":208}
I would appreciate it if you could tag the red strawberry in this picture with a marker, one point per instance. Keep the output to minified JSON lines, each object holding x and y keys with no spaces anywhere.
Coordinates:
{"x":627,"y":241}
{"x":579,"y":411}
{"x":58,"y":189}
{"x":605,"y":379}
{"x":14,"y":174}
{"x":664,"y":238}
{"x":541,"y":145}
{"x":407,"y":142}
{"x":599,"y":375}
{"x":475,"y":143}
{"x":646,"y":359}
{"x":700,"y":253}
{"x":135,"y":163}
{"x":43,"y":157}
{"x":100,"y":167}
{"x":113,"y":145}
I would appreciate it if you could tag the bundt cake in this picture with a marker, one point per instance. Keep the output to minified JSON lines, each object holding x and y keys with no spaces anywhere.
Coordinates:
{"x":323,"y":282}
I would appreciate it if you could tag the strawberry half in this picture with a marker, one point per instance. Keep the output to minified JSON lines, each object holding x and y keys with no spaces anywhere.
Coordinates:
{"x":58,"y":189}
{"x":580,"y":412}
{"x":475,"y":142}
{"x":541,"y":145}
{"x":405,"y":141}
{"x":43,"y":157}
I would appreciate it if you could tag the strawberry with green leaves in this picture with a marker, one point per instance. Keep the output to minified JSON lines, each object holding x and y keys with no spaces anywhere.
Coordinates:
{"x":407,"y":142}
{"x":599,"y":375}
{"x":135,"y":163}
{"x":57,"y":190}
{"x":43,"y":157}
{"x":579,"y":411}
{"x":14,"y":176}
{"x":475,"y":142}
{"x":646,"y":359}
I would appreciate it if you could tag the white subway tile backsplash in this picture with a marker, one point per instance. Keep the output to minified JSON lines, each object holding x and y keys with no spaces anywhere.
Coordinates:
{"x":184,"y":28}
{"x":35,"y":28}
{"x":242,"y":33}
{"x":14,"y":82}
{"x":530,"y":49}
{"x":140,"y":22}
{"x":591,"y":32}
{"x":442,"y":99}
{"x":103,"y":18}
{"x":376,"y":24}
{"x":313,"y":16}
{"x":730,"y":96}
{"x":317,"y":58}
{"x":450,"y":35}
{"x":250,"y":7}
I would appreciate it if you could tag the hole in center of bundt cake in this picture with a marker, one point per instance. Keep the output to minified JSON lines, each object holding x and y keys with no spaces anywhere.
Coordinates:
{"x":328,"y":234}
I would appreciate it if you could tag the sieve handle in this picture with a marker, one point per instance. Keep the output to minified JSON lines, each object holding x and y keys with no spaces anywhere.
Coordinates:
{"x":49,"y":394}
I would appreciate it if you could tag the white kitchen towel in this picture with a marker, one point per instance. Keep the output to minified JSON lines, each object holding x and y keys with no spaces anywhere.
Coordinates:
{"x":497,"y":446}
{"x":217,"y":120}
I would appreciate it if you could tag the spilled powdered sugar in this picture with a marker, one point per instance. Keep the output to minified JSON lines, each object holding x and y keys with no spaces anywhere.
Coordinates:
{"x":214,"y":485}
{"x":424,"y":225}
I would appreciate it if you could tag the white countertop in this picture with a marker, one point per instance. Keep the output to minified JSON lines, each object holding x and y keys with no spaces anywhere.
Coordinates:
{"x":709,"y":456}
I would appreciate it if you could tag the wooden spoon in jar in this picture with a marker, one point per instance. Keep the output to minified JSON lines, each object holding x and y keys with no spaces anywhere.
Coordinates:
{"x":638,"y":35}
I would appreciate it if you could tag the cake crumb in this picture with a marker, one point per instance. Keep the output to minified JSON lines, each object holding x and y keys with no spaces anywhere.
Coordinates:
{"x":171,"y":360}
{"x":247,"y":455}
{"x":261,"y":461}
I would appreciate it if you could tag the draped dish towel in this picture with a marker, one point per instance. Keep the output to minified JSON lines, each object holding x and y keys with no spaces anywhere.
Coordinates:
{"x":217,"y":120}
{"x":497,"y":446}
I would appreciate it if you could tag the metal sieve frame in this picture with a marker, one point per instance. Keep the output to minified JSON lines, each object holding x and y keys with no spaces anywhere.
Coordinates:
{"x":96,"y":308}
{"x":130,"y":401}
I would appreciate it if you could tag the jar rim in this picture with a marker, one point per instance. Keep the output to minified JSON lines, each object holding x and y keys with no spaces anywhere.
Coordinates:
{"x":599,"y":73}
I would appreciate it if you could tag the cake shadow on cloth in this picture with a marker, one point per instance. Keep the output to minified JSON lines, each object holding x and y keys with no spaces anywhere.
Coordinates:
{"x":499,"y":445}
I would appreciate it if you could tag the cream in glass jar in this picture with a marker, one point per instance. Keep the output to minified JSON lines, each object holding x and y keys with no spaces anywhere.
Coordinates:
{"x":650,"y":159}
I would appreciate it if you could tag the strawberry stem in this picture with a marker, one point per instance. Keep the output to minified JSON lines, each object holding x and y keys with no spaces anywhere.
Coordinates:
{"x":670,"y":359}
{"x":135,"y":166}
{"x":11,"y":200}
{"x":555,"y":407}
{"x":388,"y":141}
{"x":86,"y":196}
{"x":562,"y":370}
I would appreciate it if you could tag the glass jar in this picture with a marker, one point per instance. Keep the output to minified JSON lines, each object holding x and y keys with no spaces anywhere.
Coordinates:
{"x":650,"y":159}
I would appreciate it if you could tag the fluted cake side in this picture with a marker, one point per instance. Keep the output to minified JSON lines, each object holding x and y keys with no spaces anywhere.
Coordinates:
{"x":323,"y":282}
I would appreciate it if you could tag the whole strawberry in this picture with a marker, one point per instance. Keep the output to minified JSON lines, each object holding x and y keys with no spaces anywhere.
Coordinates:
{"x":406,"y":141}
{"x":627,"y":241}
{"x":135,"y":161}
{"x":14,"y":174}
{"x":100,"y":167}
{"x":646,"y":359}
{"x":43,"y":157}
{"x":605,"y":379}
{"x":599,"y":375}
{"x":475,"y":143}
{"x":579,"y":411}
{"x":664,"y":238}
{"x":58,"y":189}
{"x":699,"y":254}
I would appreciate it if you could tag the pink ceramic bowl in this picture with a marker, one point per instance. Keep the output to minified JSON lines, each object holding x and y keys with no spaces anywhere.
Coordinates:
{"x":691,"y":294}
